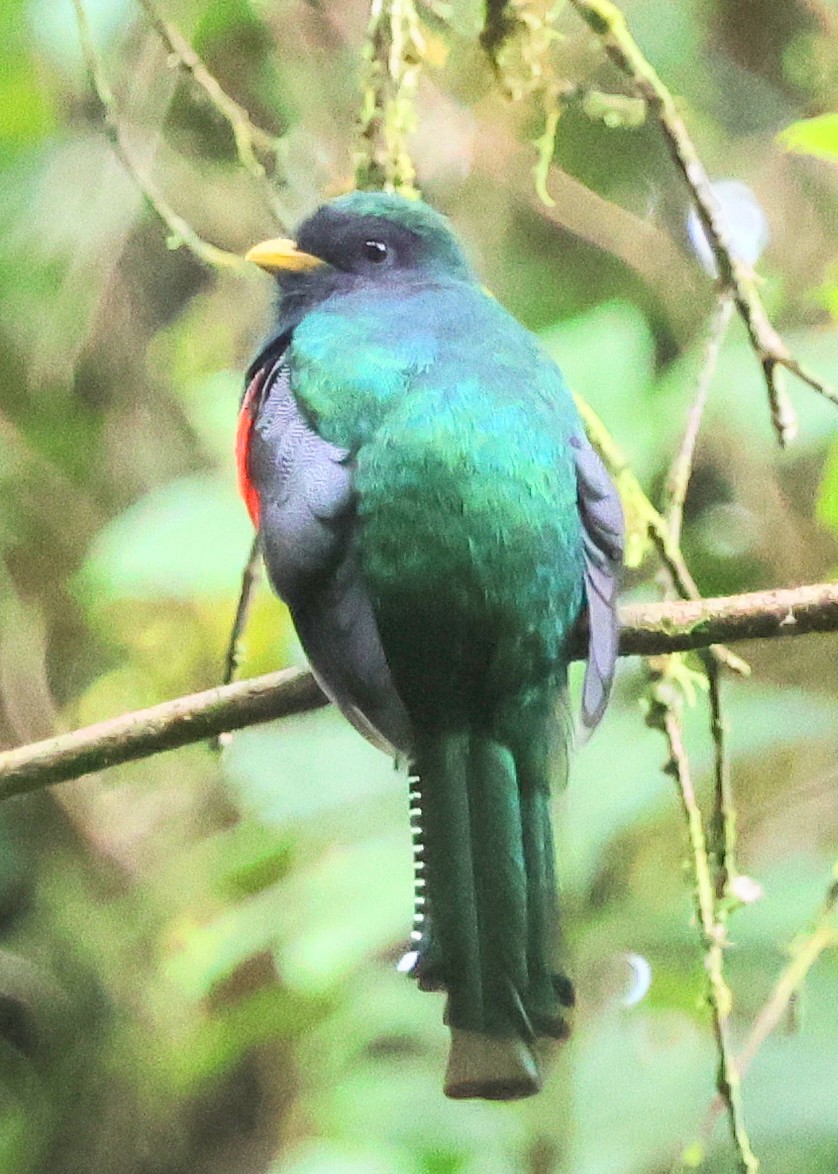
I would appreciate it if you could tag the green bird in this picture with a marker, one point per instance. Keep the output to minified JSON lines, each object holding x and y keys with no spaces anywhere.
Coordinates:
{"x":432,"y":513}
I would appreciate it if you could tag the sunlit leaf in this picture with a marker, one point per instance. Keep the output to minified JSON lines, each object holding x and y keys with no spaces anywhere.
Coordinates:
{"x":813,"y":136}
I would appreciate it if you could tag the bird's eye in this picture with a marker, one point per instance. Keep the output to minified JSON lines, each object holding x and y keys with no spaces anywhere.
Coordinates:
{"x":375,"y":251}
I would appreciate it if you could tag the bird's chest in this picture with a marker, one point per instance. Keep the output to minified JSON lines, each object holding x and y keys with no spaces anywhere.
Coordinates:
{"x":470,"y":502}
{"x":351,"y":365}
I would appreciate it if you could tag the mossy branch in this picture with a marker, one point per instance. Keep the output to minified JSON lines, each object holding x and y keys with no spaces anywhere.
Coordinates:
{"x":609,"y":24}
{"x":646,"y":630}
{"x":393,"y":53}
{"x":666,"y":702}
{"x":713,"y":862}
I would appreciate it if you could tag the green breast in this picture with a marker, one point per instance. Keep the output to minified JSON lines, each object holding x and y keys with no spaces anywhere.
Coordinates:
{"x":469,"y":537}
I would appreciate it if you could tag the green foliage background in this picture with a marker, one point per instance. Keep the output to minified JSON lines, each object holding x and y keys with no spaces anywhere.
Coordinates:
{"x":196,"y":955}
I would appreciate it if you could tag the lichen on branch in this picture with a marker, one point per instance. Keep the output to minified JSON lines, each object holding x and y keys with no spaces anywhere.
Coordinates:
{"x":393,"y":55}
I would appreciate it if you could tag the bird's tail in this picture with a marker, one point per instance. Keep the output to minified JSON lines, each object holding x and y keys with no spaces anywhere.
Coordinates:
{"x":487,"y":919}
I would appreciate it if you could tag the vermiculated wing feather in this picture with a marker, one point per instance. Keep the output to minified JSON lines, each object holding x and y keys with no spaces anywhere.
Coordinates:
{"x":602,"y":538}
{"x":307,"y":526}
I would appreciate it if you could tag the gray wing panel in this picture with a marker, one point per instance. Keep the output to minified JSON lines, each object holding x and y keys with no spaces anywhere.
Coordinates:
{"x":602,"y":521}
{"x":307,"y":528}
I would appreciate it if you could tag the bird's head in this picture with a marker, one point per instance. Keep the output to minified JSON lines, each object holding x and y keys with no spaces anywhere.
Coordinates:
{"x":362,"y":237}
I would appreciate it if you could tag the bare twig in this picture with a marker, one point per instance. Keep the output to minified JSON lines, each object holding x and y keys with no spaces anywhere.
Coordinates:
{"x":250,"y":139}
{"x":609,"y":24}
{"x":665,"y":714}
{"x":250,"y":577}
{"x":680,"y":471}
{"x":645,"y":526}
{"x":394,"y":52}
{"x":647,"y":630}
{"x":180,"y":231}
{"x":823,"y":935}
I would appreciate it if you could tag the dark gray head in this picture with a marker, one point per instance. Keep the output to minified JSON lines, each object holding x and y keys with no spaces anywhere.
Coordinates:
{"x":364,"y":236}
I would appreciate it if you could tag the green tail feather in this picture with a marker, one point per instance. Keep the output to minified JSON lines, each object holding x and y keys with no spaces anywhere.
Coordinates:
{"x":489,"y":924}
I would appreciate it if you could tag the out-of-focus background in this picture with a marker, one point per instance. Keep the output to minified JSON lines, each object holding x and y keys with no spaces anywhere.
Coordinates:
{"x":197,"y":954}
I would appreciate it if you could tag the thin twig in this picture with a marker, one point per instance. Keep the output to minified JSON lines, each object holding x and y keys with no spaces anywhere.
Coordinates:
{"x":249,"y":138}
{"x":250,"y":578}
{"x":665,"y":714}
{"x":723,"y":820}
{"x":645,"y":526}
{"x":646,"y":630}
{"x":680,"y":471}
{"x":609,"y":24}
{"x":823,"y":935}
{"x":180,"y":231}
{"x":722,"y":830}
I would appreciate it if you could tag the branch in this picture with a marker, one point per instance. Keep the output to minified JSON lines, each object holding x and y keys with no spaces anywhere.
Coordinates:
{"x":251,"y":141}
{"x":645,"y":525}
{"x":180,"y":231}
{"x":394,"y":52}
{"x":665,"y":715}
{"x":804,"y":954}
{"x":609,"y":24}
{"x":647,"y":630}
{"x":167,"y":726}
{"x":249,"y":138}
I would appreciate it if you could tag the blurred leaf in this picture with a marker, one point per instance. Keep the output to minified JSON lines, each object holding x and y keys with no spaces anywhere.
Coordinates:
{"x":53,"y":27}
{"x":608,"y":357}
{"x":325,"y":1157}
{"x":827,"y":503}
{"x":813,"y":136}
{"x":308,"y":768}
{"x":611,"y":790}
{"x":186,"y":539}
{"x":626,"y":1063}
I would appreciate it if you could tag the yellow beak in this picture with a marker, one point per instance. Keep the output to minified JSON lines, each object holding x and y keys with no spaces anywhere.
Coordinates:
{"x":282,"y":256}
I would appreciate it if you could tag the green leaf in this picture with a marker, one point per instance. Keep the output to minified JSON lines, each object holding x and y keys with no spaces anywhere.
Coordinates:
{"x":310,"y":769}
{"x":608,"y":357}
{"x":813,"y":136}
{"x":187,"y":539}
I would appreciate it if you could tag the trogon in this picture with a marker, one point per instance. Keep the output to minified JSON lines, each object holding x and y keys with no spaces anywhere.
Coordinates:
{"x":433,"y":515}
